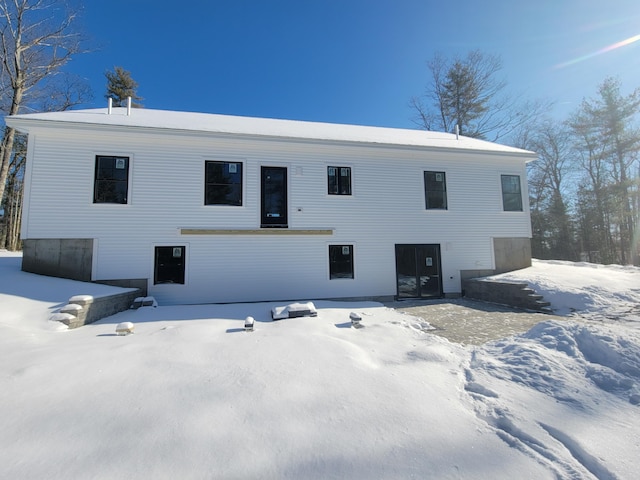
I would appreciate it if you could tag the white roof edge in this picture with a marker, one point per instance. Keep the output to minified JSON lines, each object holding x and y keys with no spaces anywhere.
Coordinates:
{"x":253,"y":126}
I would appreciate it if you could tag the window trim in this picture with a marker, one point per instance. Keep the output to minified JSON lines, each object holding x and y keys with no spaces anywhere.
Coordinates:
{"x":426,"y":190}
{"x":242,"y":182}
{"x":352,"y":260}
{"x":129,"y":159}
{"x":519,"y":193}
{"x":339,"y":168}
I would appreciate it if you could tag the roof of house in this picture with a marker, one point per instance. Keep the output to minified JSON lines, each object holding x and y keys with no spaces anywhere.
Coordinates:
{"x":265,"y":127}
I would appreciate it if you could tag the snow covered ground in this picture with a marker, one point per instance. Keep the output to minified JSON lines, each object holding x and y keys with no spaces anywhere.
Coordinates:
{"x":191,"y":395}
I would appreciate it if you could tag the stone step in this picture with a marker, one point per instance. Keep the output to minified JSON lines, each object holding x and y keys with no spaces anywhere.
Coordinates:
{"x":515,"y":294}
{"x":84,"y":309}
{"x":65,"y":318}
{"x":72,"y":308}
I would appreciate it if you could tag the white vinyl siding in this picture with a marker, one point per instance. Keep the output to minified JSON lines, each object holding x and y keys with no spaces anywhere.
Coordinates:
{"x":166,"y":193}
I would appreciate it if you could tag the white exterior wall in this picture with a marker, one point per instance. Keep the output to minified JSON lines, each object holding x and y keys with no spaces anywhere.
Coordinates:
{"x":166,"y":193}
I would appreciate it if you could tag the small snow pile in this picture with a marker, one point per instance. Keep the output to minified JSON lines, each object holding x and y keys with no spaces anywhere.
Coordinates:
{"x":248,"y":324}
{"x":144,"y":302}
{"x":124,"y":328}
{"x":81,"y":298}
{"x":294,"y":310}
{"x":565,"y":361}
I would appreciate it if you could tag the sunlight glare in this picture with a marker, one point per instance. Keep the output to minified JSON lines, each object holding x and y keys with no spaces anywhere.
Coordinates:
{"x":623,"y":43}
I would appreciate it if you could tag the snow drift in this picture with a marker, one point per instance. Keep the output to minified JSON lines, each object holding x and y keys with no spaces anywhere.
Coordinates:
{"x":193,"y":395}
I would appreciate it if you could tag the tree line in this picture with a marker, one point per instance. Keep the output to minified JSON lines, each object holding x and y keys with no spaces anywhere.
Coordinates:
{"x":585,"y":186}
{"x":584,"y":189}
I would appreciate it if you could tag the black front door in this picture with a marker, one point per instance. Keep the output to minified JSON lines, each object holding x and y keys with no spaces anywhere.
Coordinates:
{"x":418,"y":271}
{"x":274,"y":197}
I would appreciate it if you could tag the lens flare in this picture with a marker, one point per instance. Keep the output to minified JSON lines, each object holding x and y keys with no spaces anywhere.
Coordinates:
{"x":623,"y":43}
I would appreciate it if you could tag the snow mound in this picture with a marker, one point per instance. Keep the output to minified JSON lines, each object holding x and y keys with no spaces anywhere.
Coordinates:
{"x":563,"y":359}
{"x":586,"y":289}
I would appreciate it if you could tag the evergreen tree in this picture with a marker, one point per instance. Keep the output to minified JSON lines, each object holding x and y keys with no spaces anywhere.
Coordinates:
{"x":120,"y":85}
{"x":609,"y":143}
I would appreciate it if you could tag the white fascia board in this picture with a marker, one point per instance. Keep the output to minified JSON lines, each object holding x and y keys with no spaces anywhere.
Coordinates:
{"x":300,"y":132}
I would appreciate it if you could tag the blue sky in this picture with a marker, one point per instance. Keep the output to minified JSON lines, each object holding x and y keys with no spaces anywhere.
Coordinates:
{"x":350,"y":61}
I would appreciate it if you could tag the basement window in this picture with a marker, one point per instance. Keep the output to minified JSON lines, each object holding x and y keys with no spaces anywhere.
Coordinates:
{"x":169,"y":265}
{"x":340,"y":261}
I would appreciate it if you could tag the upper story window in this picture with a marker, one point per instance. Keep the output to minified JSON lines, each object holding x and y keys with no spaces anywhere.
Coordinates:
{"x":511,"y":193}
{"x":111,"y":182}
{"x":339,"y":180}
{"x":435,"y":190}
{"x":223,"y":183}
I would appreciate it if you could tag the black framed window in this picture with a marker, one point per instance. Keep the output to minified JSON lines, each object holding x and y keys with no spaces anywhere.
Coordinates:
{"x":435,"y":190}
{"x":169,"y":265}
{"x":340,"y":261}
{"x":223,"y":183}
{"x":511,"y":193}
{"x":339,"y":180}
{"x":111,"y":181}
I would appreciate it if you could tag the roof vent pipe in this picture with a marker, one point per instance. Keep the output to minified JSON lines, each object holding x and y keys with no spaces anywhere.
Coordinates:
{"x":109,"y":105}
{"x":457,"y":131}
{"x":128,"y":106}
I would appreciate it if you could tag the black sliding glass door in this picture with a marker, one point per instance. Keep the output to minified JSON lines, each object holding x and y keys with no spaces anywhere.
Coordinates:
{"x":418,"y":271}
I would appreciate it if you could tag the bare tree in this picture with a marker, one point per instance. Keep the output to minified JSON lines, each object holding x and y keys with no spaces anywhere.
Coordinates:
{"x":467,"y":93}
{"x":37,"y":38}
{"x":553,"y":235}
{"x":10,"y":236}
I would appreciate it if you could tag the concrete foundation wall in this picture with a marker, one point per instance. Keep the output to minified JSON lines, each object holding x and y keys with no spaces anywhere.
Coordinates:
{"x":466,"y":274}
{"x":511,"y":254}
{"x":139,"y":283}
{"x":59,"y":257}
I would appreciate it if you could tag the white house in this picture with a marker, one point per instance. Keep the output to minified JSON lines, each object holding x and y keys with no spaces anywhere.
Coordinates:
{"x":210,"y":208}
